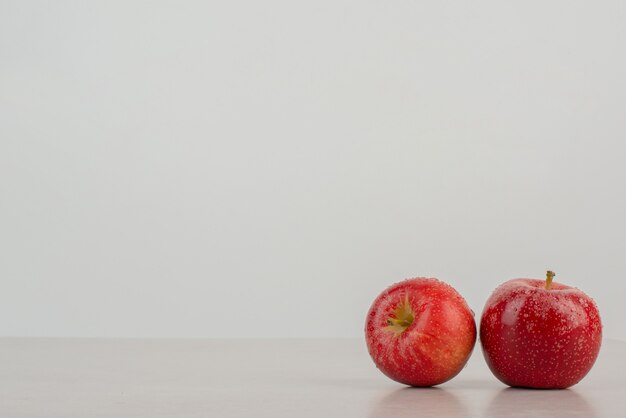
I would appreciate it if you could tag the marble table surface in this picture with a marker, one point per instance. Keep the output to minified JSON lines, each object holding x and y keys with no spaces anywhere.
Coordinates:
{"x":85,"y":378}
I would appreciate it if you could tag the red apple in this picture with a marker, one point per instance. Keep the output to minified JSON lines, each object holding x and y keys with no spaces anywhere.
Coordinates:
{"x":420,"y":332}
{"x":540,"y":334}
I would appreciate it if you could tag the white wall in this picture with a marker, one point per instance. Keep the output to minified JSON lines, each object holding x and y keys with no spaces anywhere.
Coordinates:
{"x":265,"y":168}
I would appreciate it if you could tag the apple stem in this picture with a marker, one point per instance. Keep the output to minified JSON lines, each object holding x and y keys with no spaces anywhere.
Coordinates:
{"x":549,"y":276}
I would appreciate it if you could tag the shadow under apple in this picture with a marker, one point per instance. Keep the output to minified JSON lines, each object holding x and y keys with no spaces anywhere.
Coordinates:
{"x":515,"y":402}
{"x":419,"y":402}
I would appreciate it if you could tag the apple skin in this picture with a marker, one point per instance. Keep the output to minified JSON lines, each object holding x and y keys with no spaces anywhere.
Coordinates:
{"x":434,"y":346}
{"x":540,"y":338}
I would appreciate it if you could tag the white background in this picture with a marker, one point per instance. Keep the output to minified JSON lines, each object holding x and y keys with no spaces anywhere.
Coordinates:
{"x":266,"y":168}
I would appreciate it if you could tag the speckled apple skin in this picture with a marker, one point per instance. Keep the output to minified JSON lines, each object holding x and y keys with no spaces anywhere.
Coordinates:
{"x":540,"y":338}
{"x":435,"y":347}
